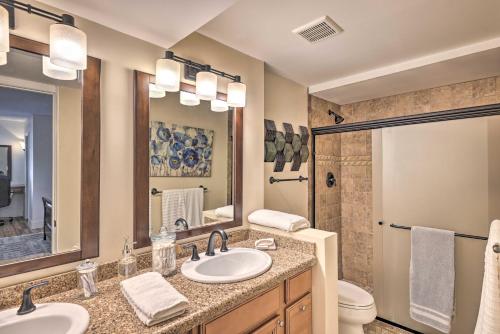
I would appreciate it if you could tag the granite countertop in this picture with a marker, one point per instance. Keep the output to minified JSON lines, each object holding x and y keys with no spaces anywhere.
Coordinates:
{"x":110,"y":312}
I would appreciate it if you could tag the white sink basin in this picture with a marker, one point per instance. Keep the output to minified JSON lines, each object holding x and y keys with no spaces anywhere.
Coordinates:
{"x":53,"y":318}
{"x":238,"y":264}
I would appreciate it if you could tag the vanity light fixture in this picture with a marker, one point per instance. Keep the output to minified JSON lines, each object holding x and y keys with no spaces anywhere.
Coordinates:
{"x":168,"y":73}
{"x":236,"y":93}
{"x":218,"y":105}
{"x":3,"y":58}
{"x":68,"y":44}
{"x":57,"y":72}
{"x":206,"y":84}
{"x":156,"y":92}
{"x":189,"y":99}
{"x":206,"y":80}
{"x":4,"y":30}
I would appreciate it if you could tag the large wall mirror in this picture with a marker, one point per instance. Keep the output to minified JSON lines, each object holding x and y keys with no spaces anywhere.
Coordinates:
{"x":49,"y":162}
{"x":187,"y":163}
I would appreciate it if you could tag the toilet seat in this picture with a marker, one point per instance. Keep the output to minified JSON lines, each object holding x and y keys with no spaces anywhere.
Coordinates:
{"x":353,"y":297}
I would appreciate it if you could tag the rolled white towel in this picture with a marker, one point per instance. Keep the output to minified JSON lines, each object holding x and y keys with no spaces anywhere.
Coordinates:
{"x":265,"y":244}
{"x":225,"y":211}
{"x":153,"y":299}
{"x":281,"y":220}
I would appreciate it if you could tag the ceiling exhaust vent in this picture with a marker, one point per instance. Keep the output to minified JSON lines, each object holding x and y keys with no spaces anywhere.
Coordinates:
{"x":318,"y":30}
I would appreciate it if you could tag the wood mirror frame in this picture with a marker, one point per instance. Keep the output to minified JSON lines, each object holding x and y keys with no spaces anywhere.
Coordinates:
{"x":141,"y":164}
{"x":90,"y":162}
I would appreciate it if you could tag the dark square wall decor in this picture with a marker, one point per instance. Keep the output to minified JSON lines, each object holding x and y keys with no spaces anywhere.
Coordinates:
{"x":285,"y":146}
{"x":270,"y":129}
{"x":288,"y":132}
{"x":279,"y":164}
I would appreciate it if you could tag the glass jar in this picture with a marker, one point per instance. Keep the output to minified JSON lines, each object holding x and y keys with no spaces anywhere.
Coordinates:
{"x":87,"y":278}
{"x":163,"y":252}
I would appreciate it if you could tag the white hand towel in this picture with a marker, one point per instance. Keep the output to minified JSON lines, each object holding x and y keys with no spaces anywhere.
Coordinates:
{"x":225,"y":211}
{"x":265,"y":244}
{"x":173,"y":207}
{"x":153,"y":299}
{"x":488,"y":319}
{"x":281,"y":220}
{"x":432,"y":277}
{"x":194,"y":206}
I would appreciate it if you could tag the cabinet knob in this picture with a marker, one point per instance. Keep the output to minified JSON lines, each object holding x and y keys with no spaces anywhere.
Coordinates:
{"x":281,"y":323}
{"x":303,"y":307}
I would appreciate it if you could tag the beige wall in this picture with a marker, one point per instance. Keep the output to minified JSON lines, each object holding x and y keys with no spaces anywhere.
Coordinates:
{"x":285,"y":101}
{"x":68,"y":169}
{"x":121,"y":54}
{"x":170,"y":111}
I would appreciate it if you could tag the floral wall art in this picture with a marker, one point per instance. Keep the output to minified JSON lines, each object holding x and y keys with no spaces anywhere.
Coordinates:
{"x":177,"y":150}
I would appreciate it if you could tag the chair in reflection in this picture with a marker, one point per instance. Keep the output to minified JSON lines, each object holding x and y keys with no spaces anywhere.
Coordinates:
{"x":47,"y":216}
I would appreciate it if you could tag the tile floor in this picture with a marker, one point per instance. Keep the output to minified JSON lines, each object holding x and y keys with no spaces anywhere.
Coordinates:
{"x":379,"y":327}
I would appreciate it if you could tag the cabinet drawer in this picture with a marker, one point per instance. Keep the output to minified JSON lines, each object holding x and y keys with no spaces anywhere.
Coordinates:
{"x":270,"y":327}
{"x":298,"y":286}
{"x":247,"y":316}
{"x":299,"y":317}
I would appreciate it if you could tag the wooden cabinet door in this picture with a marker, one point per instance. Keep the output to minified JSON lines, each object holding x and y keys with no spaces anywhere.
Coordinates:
{"x":299,"y":316}
{"x":270,"y":327}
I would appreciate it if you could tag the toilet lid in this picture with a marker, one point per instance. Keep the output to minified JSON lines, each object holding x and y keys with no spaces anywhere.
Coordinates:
{"x":354,"y":296}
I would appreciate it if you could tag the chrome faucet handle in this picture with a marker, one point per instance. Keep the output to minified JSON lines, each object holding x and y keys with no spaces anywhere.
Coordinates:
{"x":194,"y":254}
{"x":27,"y":305}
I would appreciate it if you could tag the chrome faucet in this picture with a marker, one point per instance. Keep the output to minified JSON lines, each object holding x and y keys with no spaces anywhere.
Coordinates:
{"x":183,"y":222}
{"x":27,"y":305}
{"x":211,"y":242}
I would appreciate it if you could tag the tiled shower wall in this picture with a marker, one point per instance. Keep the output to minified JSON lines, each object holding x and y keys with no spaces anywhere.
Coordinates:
{"x":347,"y":209}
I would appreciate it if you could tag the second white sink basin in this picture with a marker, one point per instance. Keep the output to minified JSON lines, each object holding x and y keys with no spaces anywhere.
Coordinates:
{"x":53,"y":318}
{"x":238,"y":264}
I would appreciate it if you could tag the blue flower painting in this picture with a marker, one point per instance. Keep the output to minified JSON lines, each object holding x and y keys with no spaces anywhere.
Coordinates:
{"x":177,"y":150}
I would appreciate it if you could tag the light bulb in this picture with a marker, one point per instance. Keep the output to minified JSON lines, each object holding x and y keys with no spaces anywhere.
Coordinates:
{"x":68,"y":46}
{"x":57,"y":72}
{"x":236,"y":94}
{"x":168,"y":75}
{"x":189,"y":99}
{"x":218,"y":105}
{"x":4,"y":30}
{"x":156,"y":92}
{"x":3,"y":58}
{"x":206,"y":85}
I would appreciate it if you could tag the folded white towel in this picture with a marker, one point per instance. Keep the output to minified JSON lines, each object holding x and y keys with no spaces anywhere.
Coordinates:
{"x":277,"y":219}
{"x":488,"y":320}
{"x":265,"y":244}
{"x":153,"y":299}
{"x":225,"y":211}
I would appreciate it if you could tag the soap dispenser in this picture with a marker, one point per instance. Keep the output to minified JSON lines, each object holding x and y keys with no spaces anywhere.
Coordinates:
{"x":127,"y":266}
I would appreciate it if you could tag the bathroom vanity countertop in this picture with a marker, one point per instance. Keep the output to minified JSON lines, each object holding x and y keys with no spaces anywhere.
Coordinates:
{"x":110,"y":312}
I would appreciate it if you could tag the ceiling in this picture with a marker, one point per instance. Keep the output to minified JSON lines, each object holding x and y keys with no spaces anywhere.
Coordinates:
{"x":387,"y":46}
{"x":161,"y":22}
{"x":381,"y":40}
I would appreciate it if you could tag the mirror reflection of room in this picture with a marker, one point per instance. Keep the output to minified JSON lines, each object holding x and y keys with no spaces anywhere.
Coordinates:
{"x":39,"y":128}
{"x":190,"y":163}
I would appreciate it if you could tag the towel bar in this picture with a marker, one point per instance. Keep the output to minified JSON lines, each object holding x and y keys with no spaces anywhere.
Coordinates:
{"x":477,"y":237}
{"x":155,"y":191}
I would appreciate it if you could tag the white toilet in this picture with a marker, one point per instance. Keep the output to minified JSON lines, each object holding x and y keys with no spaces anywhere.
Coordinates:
{"x":356,"y":308}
